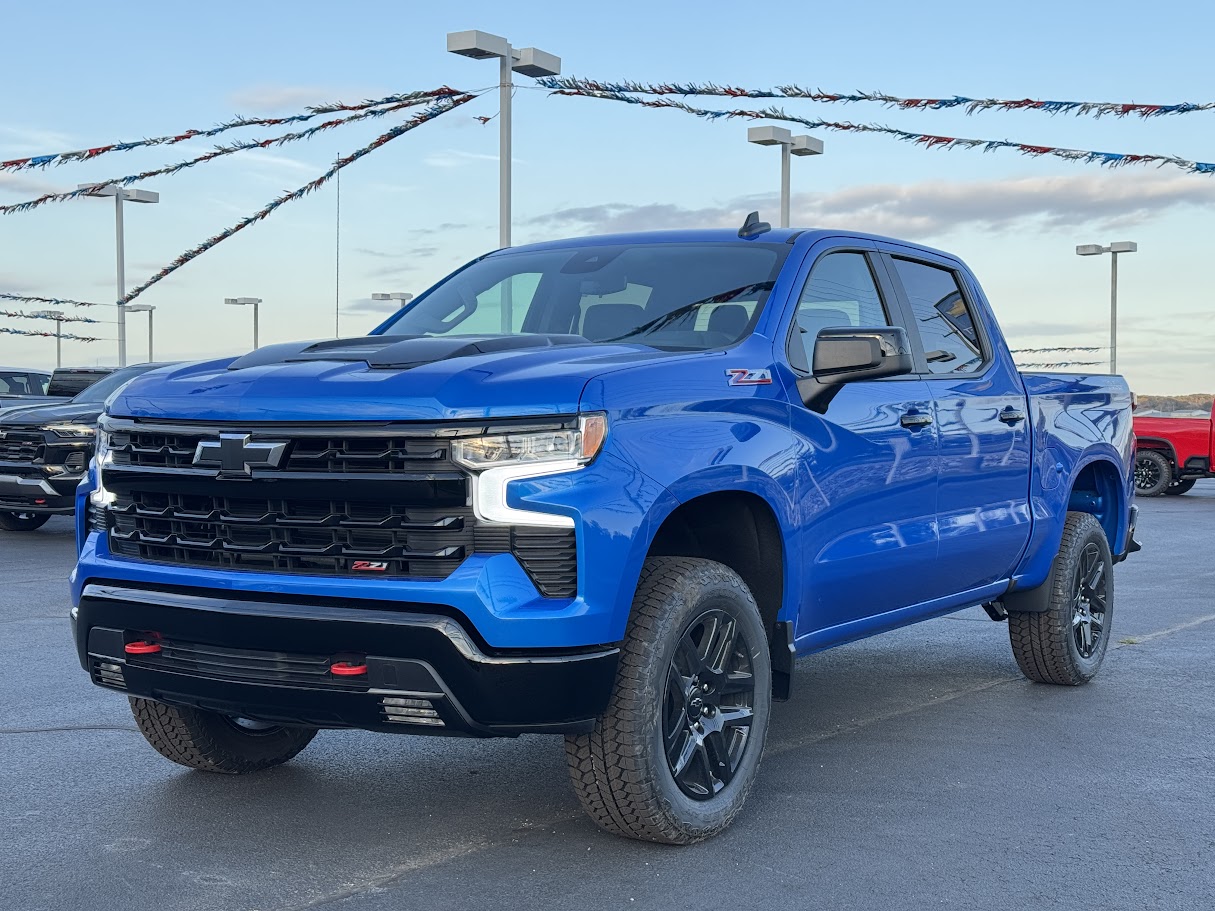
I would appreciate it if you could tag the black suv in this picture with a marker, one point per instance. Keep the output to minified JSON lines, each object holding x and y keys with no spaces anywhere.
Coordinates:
{"x":45,"y":451}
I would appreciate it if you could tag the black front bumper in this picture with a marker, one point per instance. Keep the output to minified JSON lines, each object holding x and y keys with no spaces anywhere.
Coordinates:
{"x":272,"y":661}
{"x":37,"y":492}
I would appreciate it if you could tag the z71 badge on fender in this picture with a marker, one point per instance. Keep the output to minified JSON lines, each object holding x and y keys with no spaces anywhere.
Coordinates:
{"x":742,"y":376}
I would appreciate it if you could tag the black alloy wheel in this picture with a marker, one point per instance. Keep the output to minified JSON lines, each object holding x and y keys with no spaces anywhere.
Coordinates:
{"x":1153,"y":473}
{"x":1089,"y":601}
{"x":23,"y":521}
{"x":708,"y":705}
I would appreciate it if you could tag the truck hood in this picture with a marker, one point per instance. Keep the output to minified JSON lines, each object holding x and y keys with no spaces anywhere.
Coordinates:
{"x":379,"y":378}
{"x":41,"y":415}
{"x":10,"y":404}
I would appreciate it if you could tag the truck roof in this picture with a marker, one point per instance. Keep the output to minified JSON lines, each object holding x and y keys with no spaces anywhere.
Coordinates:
{"x":719,"y":235}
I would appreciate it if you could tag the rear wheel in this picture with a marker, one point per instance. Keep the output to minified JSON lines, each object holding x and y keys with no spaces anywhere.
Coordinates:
{"x":1153,"y":473}
{"x":23,"y":521}
{"x":1177,"y":488}
{"x":1066,"y":643}
{"x":675,"y":755}
{"x":216,"y":743}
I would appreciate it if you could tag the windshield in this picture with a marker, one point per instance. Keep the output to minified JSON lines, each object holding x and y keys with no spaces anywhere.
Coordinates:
{"x":668,"y":295}
{"x":104,"y":387}
{"x":13,"y":383}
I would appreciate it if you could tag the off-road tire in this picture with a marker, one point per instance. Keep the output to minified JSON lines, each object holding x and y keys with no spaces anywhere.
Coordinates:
{"x":23,"y":521}
{"x":215,"y":743}
{"x":620,"y":770}
{"x":1044,"y":643}
{"x":1177,"y":488}
{"x":1153,"y":473}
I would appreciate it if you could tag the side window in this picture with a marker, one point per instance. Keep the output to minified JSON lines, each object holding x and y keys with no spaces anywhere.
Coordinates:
{"x":840,"y":291}
{"x":946,"y":325}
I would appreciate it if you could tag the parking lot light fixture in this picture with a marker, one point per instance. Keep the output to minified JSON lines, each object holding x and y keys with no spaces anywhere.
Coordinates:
{"x":149,"y":309}
{"x":1121,"y":246}
{"x":120,"y":195}
{"x":246,"y":302}
{"x":57,"y":316}
{"x":789,"y":145}
{"x":401,"y":297}
{"x":529,"y":61}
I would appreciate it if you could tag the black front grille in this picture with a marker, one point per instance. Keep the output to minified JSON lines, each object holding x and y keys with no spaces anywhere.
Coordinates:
{"x":21,"y":446}
{"x":340,"y":503}
{"x":246,"y":665}
{"x":289,"y":535}
{"x":339,"y":454}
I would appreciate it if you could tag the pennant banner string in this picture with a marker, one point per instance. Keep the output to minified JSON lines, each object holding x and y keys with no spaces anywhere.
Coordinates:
{"x":971,"y":105}
{"x":929,"y":141}
{"x":219,"y":152}
{"x":1066,"y":348}
{"x":58,"y":158}
{"x":71,"y":338}
{"x":20,"y":314}
{"x":441,"y":106}
{"x":1061,"y":364}
{"x":53,"y":301}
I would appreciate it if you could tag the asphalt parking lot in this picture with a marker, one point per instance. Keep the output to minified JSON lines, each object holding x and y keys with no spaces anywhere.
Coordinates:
{"x":917,"y":769}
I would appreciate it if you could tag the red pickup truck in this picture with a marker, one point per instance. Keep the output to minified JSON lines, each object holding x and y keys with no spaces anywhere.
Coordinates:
{"x":1172,"y":453}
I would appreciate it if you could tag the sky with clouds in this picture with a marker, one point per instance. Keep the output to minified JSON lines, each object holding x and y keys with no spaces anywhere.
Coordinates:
{"x":78,"y":76}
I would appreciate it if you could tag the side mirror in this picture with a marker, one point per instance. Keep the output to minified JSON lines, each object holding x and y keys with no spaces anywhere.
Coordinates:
{"x":847,"y":354}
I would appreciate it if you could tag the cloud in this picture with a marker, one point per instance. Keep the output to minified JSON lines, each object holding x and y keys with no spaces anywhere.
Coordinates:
{"x":269,"y":98}
{"x":457,"y":158}
{"x":21,"y":139}
{"x":927,"y":209}
{"x":27,"y":186}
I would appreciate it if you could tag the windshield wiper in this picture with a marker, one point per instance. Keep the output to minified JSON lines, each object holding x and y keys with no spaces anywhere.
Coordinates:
{"x":667,"y":318}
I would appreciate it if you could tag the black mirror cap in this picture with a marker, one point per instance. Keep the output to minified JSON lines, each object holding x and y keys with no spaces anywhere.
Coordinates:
{"x":846,"y":354}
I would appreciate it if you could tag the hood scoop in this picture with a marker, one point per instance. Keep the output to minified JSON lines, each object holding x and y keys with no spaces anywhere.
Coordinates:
{"x":397,"y":352}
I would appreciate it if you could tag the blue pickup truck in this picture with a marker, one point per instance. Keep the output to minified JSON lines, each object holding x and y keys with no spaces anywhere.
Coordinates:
{"x":608,"y":488}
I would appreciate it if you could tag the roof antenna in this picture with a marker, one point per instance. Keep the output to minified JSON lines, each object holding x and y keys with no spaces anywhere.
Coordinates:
{"x":753,"y":227}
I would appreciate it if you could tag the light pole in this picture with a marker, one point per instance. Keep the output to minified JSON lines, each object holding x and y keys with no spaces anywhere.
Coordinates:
{"x":149,"y":309}
{"x":527,"y":60}
{"x":245,"y":302}
{"x":401,"y":297}
{"x":57,"y":316}
{"x":120,"y":194}
{"x":789,"y":145}
{"x":1122,"y":246}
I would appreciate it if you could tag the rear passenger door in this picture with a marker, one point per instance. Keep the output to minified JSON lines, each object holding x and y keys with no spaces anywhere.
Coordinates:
{"x":867,"y":466}
{"x":981,"y":416}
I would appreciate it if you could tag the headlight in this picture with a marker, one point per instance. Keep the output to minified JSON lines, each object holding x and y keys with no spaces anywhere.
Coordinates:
{"x":581,"y":445}
{"x":73,"y":431}
{"x":499,"y":459}
{"x":101,"y":458}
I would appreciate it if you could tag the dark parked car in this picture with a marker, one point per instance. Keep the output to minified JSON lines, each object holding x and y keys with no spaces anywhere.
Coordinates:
{"x":19,"y":382}
{"x":21,"y":388}
{"x":45,"y":450}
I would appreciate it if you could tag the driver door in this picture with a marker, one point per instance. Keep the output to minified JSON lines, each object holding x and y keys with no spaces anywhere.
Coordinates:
{"x":867,"y":467}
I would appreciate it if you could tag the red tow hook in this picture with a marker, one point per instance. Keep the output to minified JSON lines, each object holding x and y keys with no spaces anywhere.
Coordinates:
{"x":347,"y":669}
{"x":142,"y":647}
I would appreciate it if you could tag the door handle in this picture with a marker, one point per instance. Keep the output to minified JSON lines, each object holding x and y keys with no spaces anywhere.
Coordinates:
{"x":1012,"y":416}
{"x":915,"y":419}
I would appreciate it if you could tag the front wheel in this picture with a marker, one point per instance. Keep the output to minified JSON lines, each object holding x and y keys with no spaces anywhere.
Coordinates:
{"x":1153,"y":473}
{"x":216,"y":743}
{"x":1177,"y":488}
{"x":23,"y":521}
{"x":1066,"y":643}
{"x":674,"y":756}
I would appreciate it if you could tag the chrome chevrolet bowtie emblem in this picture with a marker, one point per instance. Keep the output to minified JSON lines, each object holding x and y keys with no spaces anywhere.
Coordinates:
{"x":235,"y":454}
